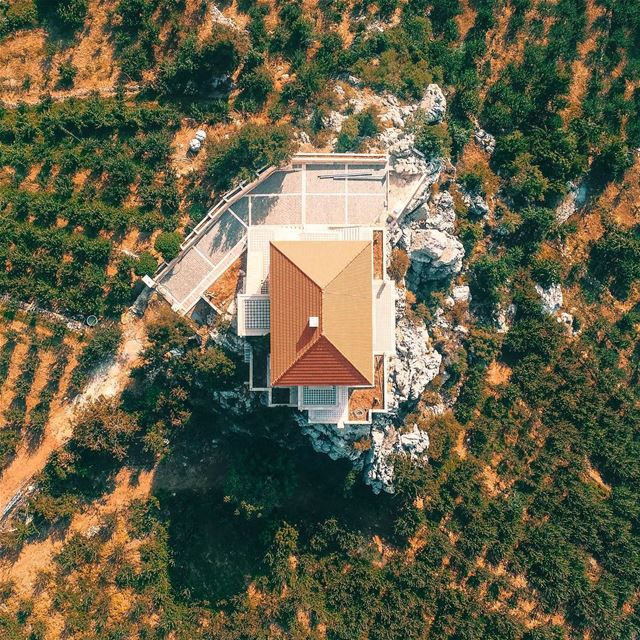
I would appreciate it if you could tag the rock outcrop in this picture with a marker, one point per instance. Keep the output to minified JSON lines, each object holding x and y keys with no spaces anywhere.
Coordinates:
{"x":434,"y":104}
{"x":404,"y":159}
{"x":551,"y":298}
{"x":477,"y":204}
{"x":385,"y":443}
{"x":415,"y":364}
{"x":485,"y":140}
{"x":575,"y":198}
{"x":435,"y":255}
{"x":334,"y":121}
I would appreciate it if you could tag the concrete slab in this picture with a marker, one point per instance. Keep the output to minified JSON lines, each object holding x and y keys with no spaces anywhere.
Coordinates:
{"x":320,"y":180}
{"x":276,"y":209}
{"x":219,"y":238}
{"x":325,"y":209}
{"x":282,"y":181}
{"x":180,"y":280}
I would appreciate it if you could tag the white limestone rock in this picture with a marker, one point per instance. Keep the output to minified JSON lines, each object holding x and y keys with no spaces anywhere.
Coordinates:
{"x":334,"y":121}
{"x":434,"y":104}
{"x":485,"y":140}
{"x":337,"y":443}
{"x":415,"y":364}
{"x":461,"y":293}
{"x":503,"y":318}
{"x":551,"y":298}
{"x":477,"y":204}
{"x":387,"y":442}
{"x":435,"y":255}
{"x":444,"y":214}
{"x":220,"y":18}
{"x":575,"y":198}
{"x":566,"y":320}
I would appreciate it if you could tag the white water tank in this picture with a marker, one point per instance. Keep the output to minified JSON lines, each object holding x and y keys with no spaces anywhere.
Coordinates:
{"x":201,"y":135}
{"x":194,"y":145}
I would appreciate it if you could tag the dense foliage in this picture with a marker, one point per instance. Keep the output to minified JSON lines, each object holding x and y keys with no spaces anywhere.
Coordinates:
{"x":524,"y":523}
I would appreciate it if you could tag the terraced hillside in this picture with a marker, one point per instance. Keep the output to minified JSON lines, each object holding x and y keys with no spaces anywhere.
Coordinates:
{"x":175,"y":506}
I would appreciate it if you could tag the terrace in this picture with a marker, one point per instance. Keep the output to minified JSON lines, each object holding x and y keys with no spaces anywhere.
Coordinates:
{"x":315,"y":189}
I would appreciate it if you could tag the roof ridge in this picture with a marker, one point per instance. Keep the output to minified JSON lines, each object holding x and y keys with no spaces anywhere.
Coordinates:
{"x":319,"y":333}
{"x":355,"y":257}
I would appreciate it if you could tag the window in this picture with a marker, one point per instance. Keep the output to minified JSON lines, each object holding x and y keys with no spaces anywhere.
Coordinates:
{"x":317,"y":396}
{"x":256,"y":313}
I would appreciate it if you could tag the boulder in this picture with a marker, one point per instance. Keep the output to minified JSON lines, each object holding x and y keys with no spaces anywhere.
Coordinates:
{"x":551,"y":298}
{"x":415,"y":364}
{"x":503,"y":318}
{"x":566,"y":320}
{"x":434,"y":104}
{"x":435,"y":255}
{"x":485,"y":140}
{"x":461,"y":293}
{"x":575,"y":198}
{"x":333,"y":121}
{"x":476,"y":203}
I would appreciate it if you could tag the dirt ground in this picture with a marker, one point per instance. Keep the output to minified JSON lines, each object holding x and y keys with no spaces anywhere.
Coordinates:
{"x":108,"y":381}
{"x":223,"y":291}
{"x":27,"y":55}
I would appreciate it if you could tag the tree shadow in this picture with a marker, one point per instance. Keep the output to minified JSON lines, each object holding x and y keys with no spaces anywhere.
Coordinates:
{"x":243,"y":486}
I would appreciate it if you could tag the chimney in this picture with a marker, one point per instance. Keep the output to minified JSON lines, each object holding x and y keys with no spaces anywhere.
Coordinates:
{"x":314,"y":321}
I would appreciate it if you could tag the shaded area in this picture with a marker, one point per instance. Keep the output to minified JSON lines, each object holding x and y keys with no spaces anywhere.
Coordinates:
{"x":218,"y":541}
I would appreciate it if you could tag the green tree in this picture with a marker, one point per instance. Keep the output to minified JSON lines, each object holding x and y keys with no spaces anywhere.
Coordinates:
{"x":253,"y":147}
{"x":168,"y":244}
{"x":103,"y":427}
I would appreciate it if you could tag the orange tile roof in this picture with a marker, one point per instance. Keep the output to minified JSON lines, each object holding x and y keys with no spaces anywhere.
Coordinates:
{"x":332,"y":281}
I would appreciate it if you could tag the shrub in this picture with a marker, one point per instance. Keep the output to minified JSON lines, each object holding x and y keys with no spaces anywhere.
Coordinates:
{"x":356,"y":129}
{"x":69,"y":14}
{"x":102,"y":426}
{"x":168,"y":244}
{"x":190,"y":71}
{"x":21,"y":14}
{"x":146,"y":264}
{"x":546,"y":272}
{"x":398,"y":264}
{"x":254,"y":146}
{"x":255,"y":87}
{"x":433,"y":140}
{"x":67,"y":73}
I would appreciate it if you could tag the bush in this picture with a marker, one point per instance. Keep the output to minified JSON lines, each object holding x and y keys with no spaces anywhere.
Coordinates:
{"x":146,"y":264}
{"x":168,"y":244}
{"x":253,"y":147}
{"x":69,"y":14}
{"x":67,"y":73}
{"x":255,"y":87}
{"x":194,"y":65}
{"x":433,"y":140}
{"x":103,"y":427}
{"x":546,"y":272}
{"x":356,"y":129}
{"x":398,"y":264}
{"x":21,"y":14}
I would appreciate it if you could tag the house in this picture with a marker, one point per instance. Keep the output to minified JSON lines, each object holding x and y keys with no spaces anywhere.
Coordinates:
{"x":314,"y":304}
{"x":321,"y":301}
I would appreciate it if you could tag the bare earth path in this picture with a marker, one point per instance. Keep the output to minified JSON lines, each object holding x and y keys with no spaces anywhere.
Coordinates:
{"x":108,"y":381}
